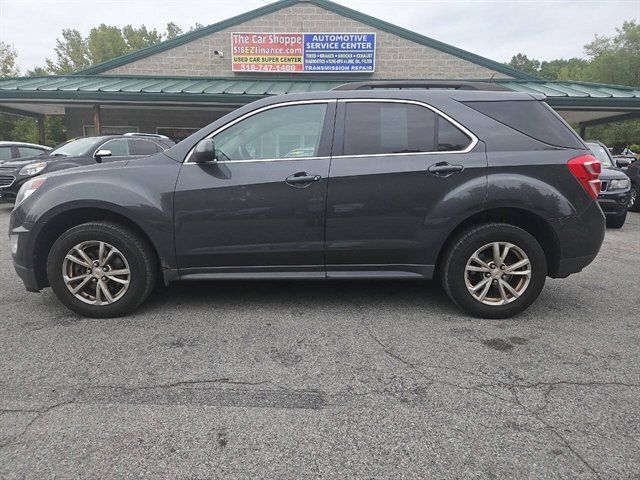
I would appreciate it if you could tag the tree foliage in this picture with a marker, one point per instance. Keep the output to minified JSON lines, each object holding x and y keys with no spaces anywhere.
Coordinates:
{"x":614,"y":60}
{"x":8,"y":56}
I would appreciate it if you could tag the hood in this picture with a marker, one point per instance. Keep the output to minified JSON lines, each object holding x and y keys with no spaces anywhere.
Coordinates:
{"x":86,"y":168}
{"x":612,"y":174}
{"x":21,"y":162}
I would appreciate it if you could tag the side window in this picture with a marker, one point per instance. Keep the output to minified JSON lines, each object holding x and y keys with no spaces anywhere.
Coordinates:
{"x":119,"y":147}
{"x":282,"y":132}
{"x":29,"y":152}
{"x":379,"y":128}
{"x":144,"y":147}
{"x":5,"y":153}
{"x":450,"y":137}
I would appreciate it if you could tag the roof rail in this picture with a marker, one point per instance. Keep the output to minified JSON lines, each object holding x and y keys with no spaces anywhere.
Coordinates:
{"x":139,"y":134}
{"x":426,"y":84}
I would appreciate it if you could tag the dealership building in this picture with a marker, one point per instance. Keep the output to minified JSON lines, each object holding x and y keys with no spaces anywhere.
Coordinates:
{"x":178,"y":86}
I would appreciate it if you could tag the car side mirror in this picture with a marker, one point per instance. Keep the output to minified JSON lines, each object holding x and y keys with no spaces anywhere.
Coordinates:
{"x":100,"y":154}
{"x":205,"y":152}
{"x":623,"y":162}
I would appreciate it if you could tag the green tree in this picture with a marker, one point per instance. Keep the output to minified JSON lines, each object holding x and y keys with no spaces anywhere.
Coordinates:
{"x":137,"y":38}
{"x":616,"y":59}
{"x":173,"y":31}
{"x":72,"y":53}
{"x":525,"y":64}
{"x":104,"y":43}
{"x":8,"y":55}
{"x":571,"y":69}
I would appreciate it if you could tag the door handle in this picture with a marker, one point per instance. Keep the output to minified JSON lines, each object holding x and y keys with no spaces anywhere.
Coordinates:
{"x":444,"y":169}
{"x":302,"y":179}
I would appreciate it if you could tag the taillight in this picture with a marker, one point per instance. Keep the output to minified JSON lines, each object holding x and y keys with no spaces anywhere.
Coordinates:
{"x":586,"y":169}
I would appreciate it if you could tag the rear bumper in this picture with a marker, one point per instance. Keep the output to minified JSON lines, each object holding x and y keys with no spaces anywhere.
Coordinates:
{"x":614,"y":203}
{"x":579,"y":240}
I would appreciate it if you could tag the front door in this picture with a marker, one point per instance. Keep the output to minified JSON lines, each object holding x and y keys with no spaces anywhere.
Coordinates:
{"x":401,"y":172}
{"x":259,"y":211}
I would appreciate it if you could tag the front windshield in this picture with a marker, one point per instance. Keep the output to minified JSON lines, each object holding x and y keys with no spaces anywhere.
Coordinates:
{"x":77,"y":147}
{"x":601,"y":154}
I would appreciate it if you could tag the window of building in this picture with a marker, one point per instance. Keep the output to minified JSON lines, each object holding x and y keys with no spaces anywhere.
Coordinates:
{"x":90,"y":130}
{"x":176,"y":133}
{"x":282,"y":132}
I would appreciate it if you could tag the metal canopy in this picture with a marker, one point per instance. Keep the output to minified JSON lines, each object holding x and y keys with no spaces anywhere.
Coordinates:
{"x":579,"y":102}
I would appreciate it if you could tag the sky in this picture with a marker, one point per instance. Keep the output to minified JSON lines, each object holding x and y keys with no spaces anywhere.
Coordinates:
{"x":496,"y":29}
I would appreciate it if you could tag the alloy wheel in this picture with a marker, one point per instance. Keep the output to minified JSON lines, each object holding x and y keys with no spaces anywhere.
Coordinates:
{"x":96,"y":273}
{"x":497,"y":273}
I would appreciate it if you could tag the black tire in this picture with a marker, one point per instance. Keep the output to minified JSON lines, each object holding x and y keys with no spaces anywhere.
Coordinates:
{"x":463,"y":246}
{"x":634,"y":201}
{"x":138,"y":253}
{"x":617,"y":221}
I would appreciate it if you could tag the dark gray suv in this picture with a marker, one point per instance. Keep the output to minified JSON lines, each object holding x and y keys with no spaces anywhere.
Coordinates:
{"x":488,"y":190}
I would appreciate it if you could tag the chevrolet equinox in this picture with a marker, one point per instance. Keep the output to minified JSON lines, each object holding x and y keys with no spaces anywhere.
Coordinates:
{"x":488,"y":190}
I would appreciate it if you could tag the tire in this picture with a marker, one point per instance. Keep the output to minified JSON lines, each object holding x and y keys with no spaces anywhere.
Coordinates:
{"x":617,"y":221}
{"x":456,"y":280}
{"x":634,"y":201}
{"x":129,"y":252}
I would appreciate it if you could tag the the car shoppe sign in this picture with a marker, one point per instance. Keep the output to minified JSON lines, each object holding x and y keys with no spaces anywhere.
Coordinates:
{"x":303,"y":52}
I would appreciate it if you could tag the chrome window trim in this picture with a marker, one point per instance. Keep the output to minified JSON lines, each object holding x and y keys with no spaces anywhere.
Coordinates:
{"x":255,"y":112}
{"x":465,"y":130}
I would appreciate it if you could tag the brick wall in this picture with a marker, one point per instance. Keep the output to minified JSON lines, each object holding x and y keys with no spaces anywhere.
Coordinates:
{"x":395,"y":57}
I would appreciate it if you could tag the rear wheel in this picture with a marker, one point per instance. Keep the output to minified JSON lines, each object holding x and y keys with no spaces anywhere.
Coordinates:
{"x":617,"y":221}
{"x":494,"y":270}
{"x":634,"y":206}
{"x":101,"y":269}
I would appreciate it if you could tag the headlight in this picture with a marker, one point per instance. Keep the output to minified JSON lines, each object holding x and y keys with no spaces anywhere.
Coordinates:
{"x":28,"y":188}
{"x":618,"y":184}
{"x":32,"y":169}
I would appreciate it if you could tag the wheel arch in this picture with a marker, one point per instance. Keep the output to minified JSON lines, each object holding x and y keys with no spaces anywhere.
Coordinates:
{"x":62,"y":220}
{"x":529,"y":221}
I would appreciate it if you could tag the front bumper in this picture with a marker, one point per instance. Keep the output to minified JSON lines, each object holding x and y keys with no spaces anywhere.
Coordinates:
{"x":614,"y":203}
{"x":28,"y":277}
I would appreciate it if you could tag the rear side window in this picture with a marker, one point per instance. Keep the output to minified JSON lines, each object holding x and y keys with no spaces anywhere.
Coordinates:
{"x":5,"y":153}
{"x":450,"y":137}
{"x":144,"y":147}
{"x":387,"y":127}
{"x":379,"y":128}
{"x":28,"y":151}
{"x":532,"y":118}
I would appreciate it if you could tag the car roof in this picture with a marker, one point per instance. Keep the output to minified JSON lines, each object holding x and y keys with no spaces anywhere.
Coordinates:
{"x":23,"y":144}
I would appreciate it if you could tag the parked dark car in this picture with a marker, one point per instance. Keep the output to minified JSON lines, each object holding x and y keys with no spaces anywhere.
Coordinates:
{"x":12,"y":150}
{"x":488,"y":190}
{"x":77,"y":152}
{"x":633,"y":172}
{"x":615,"y":192}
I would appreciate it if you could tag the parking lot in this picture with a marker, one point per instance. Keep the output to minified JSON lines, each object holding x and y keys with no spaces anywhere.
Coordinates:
{"x":296,"y":380}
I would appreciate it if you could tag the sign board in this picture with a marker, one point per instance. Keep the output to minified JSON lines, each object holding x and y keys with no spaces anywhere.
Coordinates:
{"x":303,"y":52}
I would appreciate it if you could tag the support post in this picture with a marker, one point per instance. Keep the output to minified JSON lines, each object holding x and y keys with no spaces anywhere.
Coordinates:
{"x":97,"y":121}
{"x":41,"y":132}
{"x":583,"y":131}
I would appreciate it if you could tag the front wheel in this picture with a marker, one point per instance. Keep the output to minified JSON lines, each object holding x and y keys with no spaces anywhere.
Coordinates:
{"x":101,"y":269}
{"x":494,"y":270}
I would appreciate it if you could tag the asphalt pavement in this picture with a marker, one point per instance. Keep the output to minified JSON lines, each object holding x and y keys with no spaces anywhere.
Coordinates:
{"x":326,"y":379}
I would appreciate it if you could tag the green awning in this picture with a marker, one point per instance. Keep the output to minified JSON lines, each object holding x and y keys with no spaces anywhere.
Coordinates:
{"x":609,"y":100}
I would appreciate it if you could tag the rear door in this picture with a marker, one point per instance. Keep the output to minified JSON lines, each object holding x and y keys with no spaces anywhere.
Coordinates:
{"x":401,"y":170}
{"x":258,"y":211}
